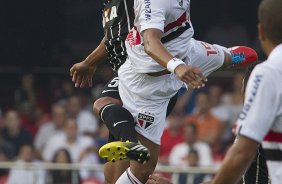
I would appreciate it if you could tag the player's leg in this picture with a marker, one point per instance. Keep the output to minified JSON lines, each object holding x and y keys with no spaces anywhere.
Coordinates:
{"x":109,"y":108}
{"x":147,"y":98}
{"x":139,"y":173}
{"x":142,"y":172}
{"x":112,"y":171}
{"x":209,"y":57}
{"x":234,"y":57}
{"x":150,"y":117}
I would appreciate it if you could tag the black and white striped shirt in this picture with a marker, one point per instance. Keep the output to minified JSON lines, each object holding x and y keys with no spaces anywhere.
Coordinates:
{"x":118,"y":17}
{"x":257,"y":173}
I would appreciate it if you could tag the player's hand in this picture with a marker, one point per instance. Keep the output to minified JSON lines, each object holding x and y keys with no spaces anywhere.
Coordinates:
{"x":153,"y":179}
{"x":191,"y":75}
{"x":82,"y":74}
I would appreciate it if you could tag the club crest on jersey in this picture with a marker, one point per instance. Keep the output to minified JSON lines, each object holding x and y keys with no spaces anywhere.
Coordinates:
{"x":145,"y":120}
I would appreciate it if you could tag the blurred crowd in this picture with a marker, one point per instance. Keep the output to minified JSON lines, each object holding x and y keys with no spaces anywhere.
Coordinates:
{"x":61,"y":128}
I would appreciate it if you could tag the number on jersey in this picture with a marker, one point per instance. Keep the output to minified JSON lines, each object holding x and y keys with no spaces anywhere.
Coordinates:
{"x":210,"y":49}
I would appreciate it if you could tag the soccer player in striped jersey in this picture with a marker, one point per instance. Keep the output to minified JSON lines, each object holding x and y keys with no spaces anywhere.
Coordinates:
{"x":117,"y":21}
{"x":261,"y":118}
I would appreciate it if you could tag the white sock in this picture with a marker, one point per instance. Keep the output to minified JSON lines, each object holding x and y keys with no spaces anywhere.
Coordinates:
{"x":128,"y":178}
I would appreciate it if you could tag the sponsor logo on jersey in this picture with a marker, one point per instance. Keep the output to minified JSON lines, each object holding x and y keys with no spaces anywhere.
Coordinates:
{"x":249,"y":101}
{"x":109,"y":14}
{"x":147,"y":9}
{"x":145,"y":120}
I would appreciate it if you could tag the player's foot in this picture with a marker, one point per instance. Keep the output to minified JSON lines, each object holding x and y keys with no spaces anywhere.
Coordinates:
{"x":118,"y":150}
{"x":242,"y":56}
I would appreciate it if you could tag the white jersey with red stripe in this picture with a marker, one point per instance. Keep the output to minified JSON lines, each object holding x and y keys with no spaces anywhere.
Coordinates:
{"x":172,"y":17}
{"x":261,"y":117}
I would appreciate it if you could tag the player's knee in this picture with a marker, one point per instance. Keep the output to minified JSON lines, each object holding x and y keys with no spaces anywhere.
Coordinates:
{"x":96,"y":107}
{"x":227,"y":60}
{"x":101,"y":102}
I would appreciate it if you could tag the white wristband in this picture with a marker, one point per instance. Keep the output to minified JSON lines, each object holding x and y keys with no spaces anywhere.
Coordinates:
{"x":173,"y":63}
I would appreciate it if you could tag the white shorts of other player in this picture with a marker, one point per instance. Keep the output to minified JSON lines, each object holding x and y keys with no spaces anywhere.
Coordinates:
{"x":147,"y":97}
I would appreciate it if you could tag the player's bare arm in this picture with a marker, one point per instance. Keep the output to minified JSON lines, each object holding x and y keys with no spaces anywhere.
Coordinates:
{"x":153,"y":46}
{"x":237,"y":160}
{"x":83,"y":71}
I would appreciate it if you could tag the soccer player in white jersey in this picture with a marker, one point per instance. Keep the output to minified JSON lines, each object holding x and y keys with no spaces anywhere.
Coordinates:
{"x":161,"y":56}
{"x":261,"y":117}
{"x":163,"y":30}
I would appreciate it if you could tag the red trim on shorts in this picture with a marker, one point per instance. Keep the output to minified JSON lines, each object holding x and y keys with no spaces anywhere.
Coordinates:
{"x":273,"y":137}
{"x":178,"y":22}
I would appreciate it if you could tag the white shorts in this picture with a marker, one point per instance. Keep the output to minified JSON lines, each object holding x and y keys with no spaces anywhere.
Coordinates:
{"x":147,"y":97}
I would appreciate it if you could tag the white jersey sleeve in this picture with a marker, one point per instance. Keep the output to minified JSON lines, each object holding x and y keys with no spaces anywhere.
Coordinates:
{"x":152,"y":14}
{"x":172,"y":18}
{"x":260,"y":106}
